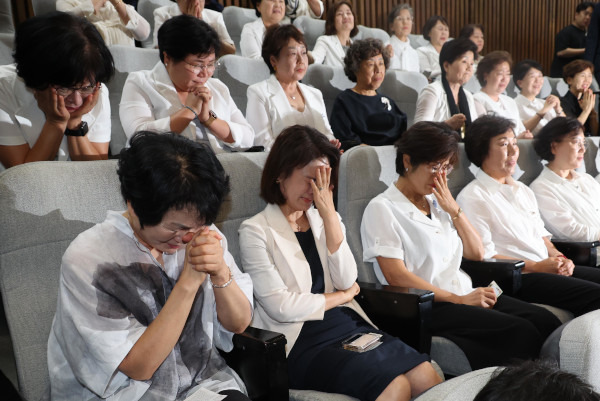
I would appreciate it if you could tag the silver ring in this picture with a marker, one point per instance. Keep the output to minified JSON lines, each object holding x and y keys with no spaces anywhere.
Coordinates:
{"x":320,"y":188}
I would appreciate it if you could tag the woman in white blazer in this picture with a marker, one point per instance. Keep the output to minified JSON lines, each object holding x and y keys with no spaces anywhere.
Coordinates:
{"x":179,"y":93}
{"x":269,"y":13}
{"x":281,"y":100}
{"x":304,"y":279}
{"x":340,"y":28}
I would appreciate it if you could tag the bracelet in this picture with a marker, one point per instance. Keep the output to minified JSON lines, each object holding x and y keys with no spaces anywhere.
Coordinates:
{"x":457,"y":214}
{"x":540,"y":115}
{"x":224,"y":285}
{"x":192,"y":110}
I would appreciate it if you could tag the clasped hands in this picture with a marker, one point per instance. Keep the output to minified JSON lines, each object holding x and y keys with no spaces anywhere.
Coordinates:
{"x":204,"y":255}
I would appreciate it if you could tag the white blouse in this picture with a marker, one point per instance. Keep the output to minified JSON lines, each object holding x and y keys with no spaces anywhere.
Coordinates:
{"x":429,"y":60}
{"x":393,"y":227}
{"x":569,"y":208}
{"x":251,"y":39}
{"x":504,"y":107}
{"x":329,"y":51}
{"x":108,"y":22}
{"x":529,"y":108}
{"x":149,"y":99}
{"x":405,"y":57}
{"x":506,"y":216}
{"x":432,"y":104}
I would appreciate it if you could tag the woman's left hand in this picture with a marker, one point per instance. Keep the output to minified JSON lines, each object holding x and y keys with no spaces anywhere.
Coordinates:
{"x":205,"y":96}
{"x":323,"y":192}
{"x":443,"y":194}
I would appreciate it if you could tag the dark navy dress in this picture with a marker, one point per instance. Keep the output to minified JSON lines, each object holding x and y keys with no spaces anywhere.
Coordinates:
{"x":319,"y":362}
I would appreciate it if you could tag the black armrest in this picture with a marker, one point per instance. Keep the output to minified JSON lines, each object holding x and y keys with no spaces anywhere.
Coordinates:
{"x":258,"y":356}
{"x":506,"y":273}
{"x":581,"y":253}
{"x":401,"y":312}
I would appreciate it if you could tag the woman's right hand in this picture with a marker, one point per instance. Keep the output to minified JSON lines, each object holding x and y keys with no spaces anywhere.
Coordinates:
{"x":53,"y":107}
{"x":588,"y":100}
{"x":550,"y":103}
{"x":193,"y":8}
{"x":456,"y":121}
{"x":98,"y":4}
{"x":484,"y":297}
{"x":525,"y":135}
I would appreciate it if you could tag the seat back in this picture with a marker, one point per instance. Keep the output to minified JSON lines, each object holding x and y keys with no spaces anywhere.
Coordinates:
{"x":592,"y":156}
{"x":6,"y":48}
{"x":127,"y":59}
{"x":41,"y":7}
{"x":558,"y":86}
{"x":546,"y":89}
{"x":7,"y":24}
{"x":329,"y":80}
{"x":511,"y":89}
{"x":404,"y":87}
{"x":367,"y":32}
{"x":235,"y":18}
{"x":238,"y":73}
{"x":146,"y":9}
{"x":472,"y":85}
{"x":417,"y":41}
{"x":312,"y":28}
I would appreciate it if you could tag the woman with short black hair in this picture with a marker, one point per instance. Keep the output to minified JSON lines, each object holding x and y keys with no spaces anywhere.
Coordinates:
{"x":305,"y":280}
{"x":475,"y":33}
{"x":340,"y":28}
{"x":155,"y":285}
{"x":437,"y":32}
{"x":53,"y":101}
{"x":566,"y":197}
{"x":179,"y":93}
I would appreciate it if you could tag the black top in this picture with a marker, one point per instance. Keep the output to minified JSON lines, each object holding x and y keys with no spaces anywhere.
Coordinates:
{"x":372,"y":120}
{"x":571,"y":107}
{"x":309,"y":248}
{"x":572,"y":37}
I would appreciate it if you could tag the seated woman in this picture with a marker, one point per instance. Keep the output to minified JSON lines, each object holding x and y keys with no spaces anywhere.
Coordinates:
{"x":340,"y":27}
{"x":195,"y":8}
{"x":179,"y":93}
{"x":400,"y":22}
{"x":446,"y":100}
{"x":580,"y":100}
{"x":117,"y":22}
{"x":567,"y":198}
{"x":155,"y":285}
{"x":436,"y":31}
{"x":361,"y":115}
{"x":299,"y":8}
{"x":506,"y":215}
{"x":415,"y":235}
{"x":475,"y":33}
{"x":493,"y":73}
{"x":282,"y":100}
{"x":60,"y":111}
{"x":269,"y":13}
{"x":305,"y":280}
{"x":534,"y":112}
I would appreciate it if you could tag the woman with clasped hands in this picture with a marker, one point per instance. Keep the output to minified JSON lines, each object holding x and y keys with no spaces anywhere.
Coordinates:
{"x":58,"y":110}
{"x":416,"y":235}
{"x":179,"y":93}
{"x":305,"y":280}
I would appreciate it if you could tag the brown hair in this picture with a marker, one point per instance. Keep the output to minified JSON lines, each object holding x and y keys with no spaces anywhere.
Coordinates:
{"x":575,"y":67}
{"x":491,"y":61}
{"x":430,"y":23}
{"x":330,"y":20}
{"x":276,"y":37}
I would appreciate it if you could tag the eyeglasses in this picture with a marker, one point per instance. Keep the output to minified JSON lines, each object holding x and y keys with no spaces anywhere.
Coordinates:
{"x":83,"y":90}
{"x":197,"y":68}
{"x":447,"y":168}
{"x":580,"y":143}
{"x":403,"y":19}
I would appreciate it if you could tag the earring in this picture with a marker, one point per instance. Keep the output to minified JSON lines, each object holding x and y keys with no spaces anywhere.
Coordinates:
{"x":406,"y":169}
{"x":277,"y":181}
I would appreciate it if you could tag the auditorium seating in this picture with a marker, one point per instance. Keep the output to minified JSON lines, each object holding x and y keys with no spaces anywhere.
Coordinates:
{"x":235,"y":18}
{"x":329,"y":80}
{"x":146,"y":9}
{"x":6,"y":48}
{"x":7,"y":24}
{"x":43,"y":6}
{"x":404,"y":87}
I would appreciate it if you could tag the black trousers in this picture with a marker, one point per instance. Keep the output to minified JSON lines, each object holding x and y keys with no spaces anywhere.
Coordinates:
{"x":234,"y":395}
{"x":512,"y":330}
{"x":578,"y":294}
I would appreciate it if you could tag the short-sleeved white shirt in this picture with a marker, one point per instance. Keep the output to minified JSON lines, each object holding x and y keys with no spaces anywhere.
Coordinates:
{"x":392,"y":227}
{"x":405,"y":57}
{"x":504,"y":107}
{"x":506,"y":216}
{"x":569,"y":208}
{"x":529,"y":108}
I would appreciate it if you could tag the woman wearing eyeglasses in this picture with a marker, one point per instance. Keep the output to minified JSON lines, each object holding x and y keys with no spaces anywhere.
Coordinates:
{"x":567,"y":199}
{"x":53,"y":104}
{"x":416,"y":235}
{"x":179,"y":93}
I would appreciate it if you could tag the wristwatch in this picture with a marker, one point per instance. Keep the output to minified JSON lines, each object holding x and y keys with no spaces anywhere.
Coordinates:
{"x":81,"y":130}
{"x":212,"y":116}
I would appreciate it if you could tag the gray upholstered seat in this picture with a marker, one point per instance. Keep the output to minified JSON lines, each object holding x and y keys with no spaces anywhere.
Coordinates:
{"x":127,"y":59}
{"x":146,"y":9}
{"x":7,"y":24}
{"x":463,"y":388}
{"x":6,"y":48}
{"x":558,"y":86}
{"x":417,"y":41}
{"x":473,"y":85}
{"x":404,"y":87}
{"x":312,"y":29}
{"x":329,"y":80}
{"x":43,"y":6}
{"x":235,"y":18}
{"x":368,"y":32}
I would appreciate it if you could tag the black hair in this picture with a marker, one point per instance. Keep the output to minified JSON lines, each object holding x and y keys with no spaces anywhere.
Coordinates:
{"x":183,"y":35}
{"x":426,"y":142}
{"x":454,"y":49}
{"x":521,"y":69}
{"x":61,"y":49}
{"x":430,"y":23}
{"x":276,"y":38}
{"x":330,"y":18}
{"x":361,"y":50}
{"x":555,"y":131}
{"x":584,"y":6}
{"x":468,"y":30}
{"x":479,"y":134}
{"x":162,"y":172}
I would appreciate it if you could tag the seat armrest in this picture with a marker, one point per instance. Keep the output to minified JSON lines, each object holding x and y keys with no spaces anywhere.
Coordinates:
{"x":581,"y":253}
{"x":401,"y":312}
{"x":258,"y":357}
{"x":505,"y":272}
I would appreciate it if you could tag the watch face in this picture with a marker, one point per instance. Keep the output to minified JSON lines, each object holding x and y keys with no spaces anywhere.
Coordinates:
{"x":212,"y":114}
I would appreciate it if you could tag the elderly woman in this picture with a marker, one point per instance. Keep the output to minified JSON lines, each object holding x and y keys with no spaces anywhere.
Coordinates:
{"x":179,"y":93}
{"x":534,"y":112}
{"x":493,"y":73}
{"x":154,"y":284}
{"x":361,"y":115}
{"x":415,"y":235}
{"x":117,"y":22}
{"x":400,"y":22}
{"x":446,"y":100}
{"x":475,"y":33}
{"x":282,"y":100}
{"x":269,"y":13}
{"x":305,"y":280}
{"x":436,"y":31}
{"x":60,"y":111}
{"x":340,"y":28}
{"x":506,"y":215}
{"x":580,"y":100}
{"x":195,"y":8}
{"x":567,"y":198}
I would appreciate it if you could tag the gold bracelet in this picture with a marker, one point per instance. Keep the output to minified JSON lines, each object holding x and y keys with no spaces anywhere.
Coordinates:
{"x":457,"y":214}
